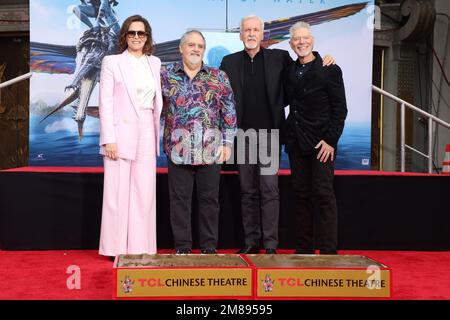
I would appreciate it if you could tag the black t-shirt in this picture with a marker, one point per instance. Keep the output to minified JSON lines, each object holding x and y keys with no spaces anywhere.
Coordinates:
{"x":256,"y":113}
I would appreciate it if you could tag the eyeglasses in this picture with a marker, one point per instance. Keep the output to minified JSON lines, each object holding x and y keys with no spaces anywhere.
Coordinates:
{"x":140,"y":34}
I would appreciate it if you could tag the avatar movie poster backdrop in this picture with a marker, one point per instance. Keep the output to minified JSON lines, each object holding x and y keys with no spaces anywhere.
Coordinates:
{"x":69,"y":38}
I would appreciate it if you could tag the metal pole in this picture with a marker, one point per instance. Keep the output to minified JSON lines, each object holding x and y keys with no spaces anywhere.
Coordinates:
{"x":410,"y":106}
{"x":430,"y":145}
{"x":432,"y":120}
{"x":226,"y":15}
{"x":402,"y":137}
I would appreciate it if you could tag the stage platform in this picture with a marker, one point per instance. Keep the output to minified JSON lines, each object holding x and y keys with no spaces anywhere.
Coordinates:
{"x":60,"y":208}
{"x":244,"y":277}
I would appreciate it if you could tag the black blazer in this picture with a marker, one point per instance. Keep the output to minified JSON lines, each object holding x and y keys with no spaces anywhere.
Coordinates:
{"x":318,"y":106}
{"x":275,"y":61}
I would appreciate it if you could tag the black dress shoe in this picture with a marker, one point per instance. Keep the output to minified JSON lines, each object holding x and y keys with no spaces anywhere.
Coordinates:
{"x":304,"y":251}
{"x":209,"y":251}
{"x":184,"y":251}
{"x":329,"y":252}
{"x":271,"y":251}
{"x":249,"y":250}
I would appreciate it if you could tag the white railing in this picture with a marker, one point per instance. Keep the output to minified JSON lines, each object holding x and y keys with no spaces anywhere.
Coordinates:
{"x":15,"y":80}
{"x":431,"y":118}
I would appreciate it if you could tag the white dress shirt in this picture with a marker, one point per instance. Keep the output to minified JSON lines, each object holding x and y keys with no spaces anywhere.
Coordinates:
{"x":145,"y":83}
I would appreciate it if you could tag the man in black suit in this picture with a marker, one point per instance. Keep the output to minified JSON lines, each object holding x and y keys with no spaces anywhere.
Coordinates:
{"x":256,"y":76}
{"x":318,"y":109}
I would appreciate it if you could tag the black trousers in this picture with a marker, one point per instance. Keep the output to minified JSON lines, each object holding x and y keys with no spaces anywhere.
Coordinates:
{"x":313,"y":184}
{"x":260,"y":201}
{"x":181,"y":184}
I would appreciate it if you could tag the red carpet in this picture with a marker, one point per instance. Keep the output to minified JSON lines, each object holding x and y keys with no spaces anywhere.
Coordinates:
{"x":42,"y":275}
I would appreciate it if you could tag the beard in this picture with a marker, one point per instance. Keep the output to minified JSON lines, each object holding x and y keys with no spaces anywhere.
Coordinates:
{"x":193,"y":59}
{"x":251,"y":44}
{"x":304,"y":52}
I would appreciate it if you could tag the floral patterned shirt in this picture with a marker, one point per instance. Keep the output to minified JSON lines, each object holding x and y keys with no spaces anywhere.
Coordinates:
{"x":199,"y":115}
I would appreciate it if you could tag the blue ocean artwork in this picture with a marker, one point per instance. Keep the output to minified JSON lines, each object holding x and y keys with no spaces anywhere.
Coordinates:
{"x":53,"y":143}
{"x":216,"y":54}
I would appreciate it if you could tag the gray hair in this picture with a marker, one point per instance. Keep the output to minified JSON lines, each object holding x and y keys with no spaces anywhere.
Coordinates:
{"x":185,"y":35}
{"x":252,"y":16}
{"x":299,"y":25}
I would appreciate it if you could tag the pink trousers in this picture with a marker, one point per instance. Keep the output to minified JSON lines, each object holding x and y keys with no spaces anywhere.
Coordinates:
{"x":129,"y":198}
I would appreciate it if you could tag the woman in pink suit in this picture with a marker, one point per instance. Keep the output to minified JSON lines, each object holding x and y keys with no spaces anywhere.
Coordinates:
{"x":130,"y":108}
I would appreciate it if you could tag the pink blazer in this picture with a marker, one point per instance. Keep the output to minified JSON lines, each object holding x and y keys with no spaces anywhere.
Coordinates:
{"x":118,"y":107}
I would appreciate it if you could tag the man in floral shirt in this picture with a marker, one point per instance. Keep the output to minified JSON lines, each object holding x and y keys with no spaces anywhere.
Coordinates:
{"x":199,"y":127}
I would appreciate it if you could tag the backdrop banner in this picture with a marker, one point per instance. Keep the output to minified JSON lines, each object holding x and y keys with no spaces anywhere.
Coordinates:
{"x":69,"y":38}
